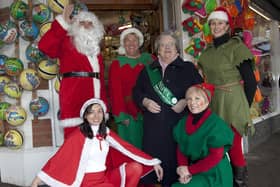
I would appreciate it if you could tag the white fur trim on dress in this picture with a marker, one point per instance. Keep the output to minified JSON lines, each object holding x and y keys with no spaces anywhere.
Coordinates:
{"x":96,"y":82}
{"x":70,"y":122}
{"x":80,"y":172}
{"x":62,"y":22}
{"x":119,"y":147}
{"x":123,"y":174}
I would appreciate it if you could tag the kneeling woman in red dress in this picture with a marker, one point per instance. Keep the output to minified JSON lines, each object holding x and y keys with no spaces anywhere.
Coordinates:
{"x":93,"y":155}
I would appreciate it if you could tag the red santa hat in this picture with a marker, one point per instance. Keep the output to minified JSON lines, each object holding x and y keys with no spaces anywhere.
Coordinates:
{"x":221,"y":13}
{"x":207,"y":88}
{"x":94,"y":101}
{"x":125,"y":32}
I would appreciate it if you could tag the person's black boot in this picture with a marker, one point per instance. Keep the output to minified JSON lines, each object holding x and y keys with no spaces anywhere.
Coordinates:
{"x":240,"y":176}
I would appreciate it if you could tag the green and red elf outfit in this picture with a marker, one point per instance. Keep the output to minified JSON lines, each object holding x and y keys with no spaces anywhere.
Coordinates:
{"x":123,"y":73}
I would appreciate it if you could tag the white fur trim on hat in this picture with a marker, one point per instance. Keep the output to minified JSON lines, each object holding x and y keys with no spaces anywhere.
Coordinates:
{"x":138,"y":33}
{"x":94,"y":101}
{"x":221,"y":15}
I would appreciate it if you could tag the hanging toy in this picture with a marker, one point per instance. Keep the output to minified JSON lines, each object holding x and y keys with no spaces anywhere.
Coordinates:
{"x":210,"y":5}
{"x":41,"y":13}
{"x":195,"y":48}
{"x":57,"y":6}
{"x":13,"y":66}
{"x":13,"y":139}
{"x":249,"y":20}
{"x":207,"y":36}
{"x":33,"y":53}
{"x":15,"y":115}
{"x":192,"y":26}
{"x":18,"y":10}
{"x":3,"y":59}
{"x":194,"y":7}
{"x":29,"y":79}
{"x":8,"y":32}
{"x":28,"y":30}
{"x":39,"y":106}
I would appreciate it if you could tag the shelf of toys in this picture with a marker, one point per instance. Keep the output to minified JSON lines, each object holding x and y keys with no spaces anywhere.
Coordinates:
{"x":256,"y":34}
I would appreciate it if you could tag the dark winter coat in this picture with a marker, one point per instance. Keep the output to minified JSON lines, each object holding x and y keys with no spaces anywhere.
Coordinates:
{"x":157,"y":136}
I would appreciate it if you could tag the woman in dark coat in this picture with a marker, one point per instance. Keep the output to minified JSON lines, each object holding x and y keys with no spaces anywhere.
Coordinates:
{"x":159,"y":92}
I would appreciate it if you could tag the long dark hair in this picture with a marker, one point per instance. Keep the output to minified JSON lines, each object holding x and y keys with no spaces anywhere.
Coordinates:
{"x":85,"y":126}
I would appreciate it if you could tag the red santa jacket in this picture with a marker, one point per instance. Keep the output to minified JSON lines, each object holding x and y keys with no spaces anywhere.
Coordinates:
{"x":74,"y":91}
{"x":67,"y":167}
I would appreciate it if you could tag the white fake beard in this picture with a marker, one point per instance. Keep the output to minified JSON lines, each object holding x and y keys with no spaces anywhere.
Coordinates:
{"x":85,"y":41}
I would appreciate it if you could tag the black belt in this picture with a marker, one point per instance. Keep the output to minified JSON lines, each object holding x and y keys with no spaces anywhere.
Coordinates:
{"x":81,"y":74}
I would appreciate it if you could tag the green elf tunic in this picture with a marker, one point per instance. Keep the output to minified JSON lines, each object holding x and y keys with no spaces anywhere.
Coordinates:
{"x":219,"y":66}
{"x":212,"y":132}
{"x":123,"y":73}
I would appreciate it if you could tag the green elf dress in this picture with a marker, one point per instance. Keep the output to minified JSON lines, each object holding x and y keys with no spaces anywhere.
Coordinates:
{"x":195,"y":141}
{"x":123,"y":73}
{"x":219,"y":66}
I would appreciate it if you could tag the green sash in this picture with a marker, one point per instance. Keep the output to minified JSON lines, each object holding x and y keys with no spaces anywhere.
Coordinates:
{"x":163,"y":92}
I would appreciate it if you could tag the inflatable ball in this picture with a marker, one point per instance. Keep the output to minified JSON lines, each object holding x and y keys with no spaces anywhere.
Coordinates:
{"x":41,"y":13}
{"x":13,"y":66}
{"x":29,"y":79}
{"x":57,"y":6}
{"x":13,"y":139}
{"x":56,"y":85}
{"x":3,"y":59}
{"x":15,"y":115}
{"x":39,"y":106}
{"x":13,"y":90}
{"x":28,"y":30}
{"x":44,"y":28}
{"x":3,"y":81}
{"x":33,"y":53}
{"x":47,"y":69}
{"x":8,"y":32}
{"x":18,"y":10}
{"x":3,"y":108}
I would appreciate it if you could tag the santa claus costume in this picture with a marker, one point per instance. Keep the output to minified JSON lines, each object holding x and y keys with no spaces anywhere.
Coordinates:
{"x":82,"y":71}
{"x":98,"y":161}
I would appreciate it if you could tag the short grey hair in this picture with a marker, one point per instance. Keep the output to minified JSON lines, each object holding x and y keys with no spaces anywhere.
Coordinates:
{"x":167,"y":33}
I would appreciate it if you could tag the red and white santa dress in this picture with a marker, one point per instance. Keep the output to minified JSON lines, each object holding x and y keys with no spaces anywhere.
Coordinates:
{"x":80,"y":156}
{"x":74,"y":90}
